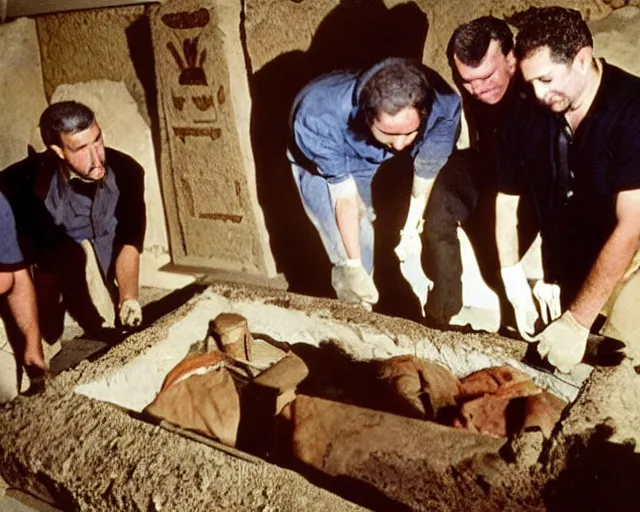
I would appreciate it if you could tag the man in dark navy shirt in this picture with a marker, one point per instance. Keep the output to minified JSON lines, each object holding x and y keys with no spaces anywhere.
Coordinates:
{"x":578,"y":154}
{"x":480,"y":53}
{"x":81,"y":208}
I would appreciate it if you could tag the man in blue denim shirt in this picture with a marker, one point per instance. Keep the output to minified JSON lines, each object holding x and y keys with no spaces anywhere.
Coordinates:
{"x":344,"y":126}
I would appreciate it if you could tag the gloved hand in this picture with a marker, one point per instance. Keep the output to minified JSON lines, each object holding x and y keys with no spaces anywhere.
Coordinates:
{"x":548,"y":297}
{"x":354,"y":285}
{"x":413,"y":273}
{"x":563,"y":343}
{"x":519,"y":295}
{"x":410,"y":242}
{"x":130,"y":313}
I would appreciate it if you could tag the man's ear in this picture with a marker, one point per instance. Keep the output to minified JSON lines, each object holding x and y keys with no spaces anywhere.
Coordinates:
{"x":583,"y":60}
{"x":512,"y":62}
{"x":58,"y":150}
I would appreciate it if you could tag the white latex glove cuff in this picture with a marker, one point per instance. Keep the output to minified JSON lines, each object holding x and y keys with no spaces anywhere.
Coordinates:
{"x":415,"y":220}
{"x":519,"y":294}
{"x":514,"y":280}
{"x":353,"y":262}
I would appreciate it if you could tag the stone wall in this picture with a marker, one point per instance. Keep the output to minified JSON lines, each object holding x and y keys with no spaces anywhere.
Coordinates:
{"x":275,"y":29}
{"x":100,"y":44}
{"x":21,"y":93}
{"x":207,"y":168}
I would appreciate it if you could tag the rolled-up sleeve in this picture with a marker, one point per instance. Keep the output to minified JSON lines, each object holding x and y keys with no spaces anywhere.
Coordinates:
{"x":10,"y":253}
{"x":439,"y":141}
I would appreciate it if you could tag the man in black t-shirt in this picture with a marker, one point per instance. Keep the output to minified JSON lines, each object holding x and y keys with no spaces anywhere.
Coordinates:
{"x":578,"y":154}
{"x":484,"y":67}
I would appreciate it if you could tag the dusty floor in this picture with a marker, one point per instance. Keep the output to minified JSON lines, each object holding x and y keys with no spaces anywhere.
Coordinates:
{"x":86,"y":454}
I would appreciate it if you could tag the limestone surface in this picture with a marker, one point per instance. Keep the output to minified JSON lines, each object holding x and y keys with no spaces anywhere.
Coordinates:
{"x":207,"y":176}
{"x":22,"y":97}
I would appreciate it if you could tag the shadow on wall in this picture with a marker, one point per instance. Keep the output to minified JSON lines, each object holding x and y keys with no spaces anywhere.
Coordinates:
{"x":140,"y":44}
{"x":353,"y":35}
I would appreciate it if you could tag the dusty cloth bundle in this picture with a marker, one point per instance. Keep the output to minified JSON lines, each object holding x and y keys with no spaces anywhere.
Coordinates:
{"x":503,"y":401}
{"x":211,"y":392}
{"x":415,"y":388}
{"x":498,"y":401}
{"x":200,"y":394}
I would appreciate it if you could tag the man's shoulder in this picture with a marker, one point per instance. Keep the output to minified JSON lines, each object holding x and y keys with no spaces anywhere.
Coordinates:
{"x":445,"y":96}
{"x":25,"y":172}
{"x":121,"y":162}
{"x":619,"y":76}
{"x":328,"y":92}
{"x":617,"y":102}
{"x":619,"y":85}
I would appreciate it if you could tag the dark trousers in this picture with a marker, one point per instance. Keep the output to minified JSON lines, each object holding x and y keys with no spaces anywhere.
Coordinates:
{"x":62,"y":284}
{"x":463,"y":195}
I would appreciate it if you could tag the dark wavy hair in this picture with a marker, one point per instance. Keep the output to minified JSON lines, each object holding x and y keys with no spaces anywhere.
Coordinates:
{"x":470,"y":41}
{"x":400,"y":84}
{"x":64,"y":117}
{"x":562,"y":30}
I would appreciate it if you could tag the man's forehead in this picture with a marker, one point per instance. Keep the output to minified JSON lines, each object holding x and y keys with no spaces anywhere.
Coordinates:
{"x":82,"y":137}
{"x":405,"y":122}
{"x":485,"y":68}
{"x":538,"y":63}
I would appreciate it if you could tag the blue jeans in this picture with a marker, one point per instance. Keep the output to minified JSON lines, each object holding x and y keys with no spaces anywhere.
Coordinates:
{"x":320,"y":209}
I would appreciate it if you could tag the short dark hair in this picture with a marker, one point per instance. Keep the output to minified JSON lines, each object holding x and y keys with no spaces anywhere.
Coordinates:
{"x":470,"y":41}
{"x":64,"y":117}
{"x":397,"y":84}
{"x":562,"y":30}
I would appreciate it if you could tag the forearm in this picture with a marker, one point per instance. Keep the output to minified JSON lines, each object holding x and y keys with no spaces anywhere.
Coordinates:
{"x":507,"y":229}
{"x":21,"y":300}
{"x":348,"y":220}
{"x":420,"y":192}
{"x":127,"y":272}
{"x":606,"y":273}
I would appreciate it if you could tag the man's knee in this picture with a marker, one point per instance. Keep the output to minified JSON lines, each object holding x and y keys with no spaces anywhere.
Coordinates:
{"x":6,"y":282}
{"x":623,"y":322}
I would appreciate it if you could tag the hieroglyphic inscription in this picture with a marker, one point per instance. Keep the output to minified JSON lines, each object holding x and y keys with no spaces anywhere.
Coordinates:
{"x":190,"y":63}
{"x":190,"y":55}
{"x":192,"y":131}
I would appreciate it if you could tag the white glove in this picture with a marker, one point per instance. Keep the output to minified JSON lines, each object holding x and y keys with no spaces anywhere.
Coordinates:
{"x":563,"y":343}
{"x":130,"y":313}
{"x":548,"y":297}
{"x":421,"y":285}
{"x":409,"y":245}
{"x":354,"y":285}
{"x":410,"y":242}
{"x":519,"y":295}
